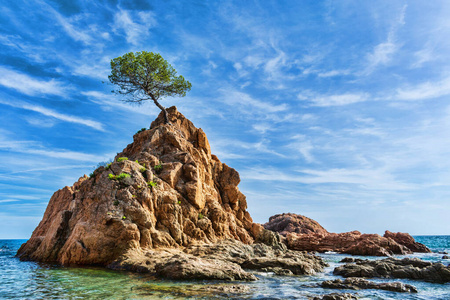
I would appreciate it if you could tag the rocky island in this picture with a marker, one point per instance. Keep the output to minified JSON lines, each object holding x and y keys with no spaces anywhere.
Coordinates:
{"x":166,"y":206}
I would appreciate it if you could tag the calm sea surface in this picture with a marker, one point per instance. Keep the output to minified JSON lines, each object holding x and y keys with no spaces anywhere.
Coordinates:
{"x":28,"y":280}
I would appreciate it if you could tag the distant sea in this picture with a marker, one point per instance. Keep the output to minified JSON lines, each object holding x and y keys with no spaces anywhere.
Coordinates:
{"x":29,"y":280}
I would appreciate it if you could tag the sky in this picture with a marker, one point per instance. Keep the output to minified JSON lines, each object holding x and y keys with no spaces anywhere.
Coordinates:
{"x":336,"y":110}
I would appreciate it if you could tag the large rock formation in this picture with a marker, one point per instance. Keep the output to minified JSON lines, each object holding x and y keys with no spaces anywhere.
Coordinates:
{"x":305,"y":234}
{"x":165,"y":190}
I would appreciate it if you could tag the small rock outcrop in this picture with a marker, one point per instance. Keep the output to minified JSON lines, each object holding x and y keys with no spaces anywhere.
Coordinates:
{"x":360,"y":284}
{"x":163,"y":191}
{"x":302,"y":233}
{"x":410,"y":268}
{"x":336,"y":296}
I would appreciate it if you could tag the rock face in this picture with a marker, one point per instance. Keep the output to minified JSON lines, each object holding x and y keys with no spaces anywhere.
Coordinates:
{"x":164,"y":191}
{"x":305,"y":234}
{"x":411,"y":268}
{"x":359,"y":283}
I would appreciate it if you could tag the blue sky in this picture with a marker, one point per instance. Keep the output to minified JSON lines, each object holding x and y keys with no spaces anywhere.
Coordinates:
{"x":337,"y":110}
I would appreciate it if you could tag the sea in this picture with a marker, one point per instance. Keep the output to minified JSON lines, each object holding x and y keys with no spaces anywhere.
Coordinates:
{"x":30,"y":280}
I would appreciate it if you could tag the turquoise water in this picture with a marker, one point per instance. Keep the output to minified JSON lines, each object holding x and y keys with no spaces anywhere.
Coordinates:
{"x":29,"y":280}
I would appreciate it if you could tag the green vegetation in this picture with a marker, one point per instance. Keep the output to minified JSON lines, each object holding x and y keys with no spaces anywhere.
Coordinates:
{"x":124,"y":218}
{"x":108,"y":166}
{"x":116,"y":202}
{"x":179,"y":202}
{"x":146,"y":76}
{"x":152,"y":184}
{"x":122,"y":159}
{"x":118,"y":177}
{"x":200,"y":216}
{"x":158,"y":168}
{"x":140,"y":130}
{"x":91,"y":175}
{"x":142,"y":170}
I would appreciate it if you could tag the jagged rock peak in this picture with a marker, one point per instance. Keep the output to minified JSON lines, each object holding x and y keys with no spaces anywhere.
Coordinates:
{"x":165,"y":189}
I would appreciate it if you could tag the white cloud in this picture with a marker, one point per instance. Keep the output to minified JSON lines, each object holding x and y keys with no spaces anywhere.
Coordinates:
{"x":426,"y":90}
{"x":337,"y":100}
{"x":135,"y":25}
{"x":383,"y":53}
{"x":237,"y":98}
{"x":35,"y":148}
{"x":51,"y":113}
{"x":29,"y":85}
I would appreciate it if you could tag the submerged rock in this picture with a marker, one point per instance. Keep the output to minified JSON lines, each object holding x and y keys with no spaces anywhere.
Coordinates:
{"x":411,"y":268}
{"x":305,"y":234}
{"x":359,"y":283}
{"x":336,"y":296}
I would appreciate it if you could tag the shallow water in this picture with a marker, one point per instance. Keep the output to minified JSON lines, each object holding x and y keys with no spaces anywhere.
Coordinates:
{"x":29,"y":280}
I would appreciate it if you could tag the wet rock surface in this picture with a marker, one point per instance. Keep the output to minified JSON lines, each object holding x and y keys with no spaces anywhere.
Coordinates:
{"x":305,"y":234}
{"x":336,"y":296}
{"x":359,"y":283}
{"x":410,"y":268}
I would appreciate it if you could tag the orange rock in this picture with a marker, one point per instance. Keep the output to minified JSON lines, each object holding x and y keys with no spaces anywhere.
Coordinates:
{"x":193,"y":199}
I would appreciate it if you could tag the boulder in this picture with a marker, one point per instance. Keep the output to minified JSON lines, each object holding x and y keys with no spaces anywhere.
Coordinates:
{"x":408,"y":268}
{"x":336,"y":296}
{"x":407,"y":240}
{"x":359,"y":283}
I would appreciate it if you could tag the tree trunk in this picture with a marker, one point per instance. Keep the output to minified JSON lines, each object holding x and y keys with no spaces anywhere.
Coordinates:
{"x":166,"y":115}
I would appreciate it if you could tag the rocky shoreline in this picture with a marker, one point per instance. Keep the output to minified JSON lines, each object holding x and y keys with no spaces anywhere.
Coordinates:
{"x":304,"y":234}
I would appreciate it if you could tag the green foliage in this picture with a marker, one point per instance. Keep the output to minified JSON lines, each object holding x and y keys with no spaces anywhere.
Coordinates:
{"x":118,"y":177}
{"x":122,"y":176}
{"x":108,"y":165}
{"x":91,"y":175}
{"x":122,"y":159}
{"x":158,"y":168}
{"x":146,"y":76}
{"x":140,"y":130}
{"x":152,"y":184}
{"x":179,"y":202}
{"x":116,"y":202}
{"x":124,"y":218}
{"x":142,"y":169}
{"x":200,"y":216}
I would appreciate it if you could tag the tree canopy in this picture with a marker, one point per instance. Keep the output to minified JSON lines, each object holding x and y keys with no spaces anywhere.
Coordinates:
{"x":145,"y":76}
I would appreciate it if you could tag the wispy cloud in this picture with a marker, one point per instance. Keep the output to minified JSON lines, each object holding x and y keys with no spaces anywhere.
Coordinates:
{"x":383,"y":53}
{"x":30,"y":85}
{"x":234,"y":97}
{"x":337,"y":100}
{"x":135,"y":25}
{"x":423,"y":91}
{"x":51,"y":113}
{"x":36,"y":148}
